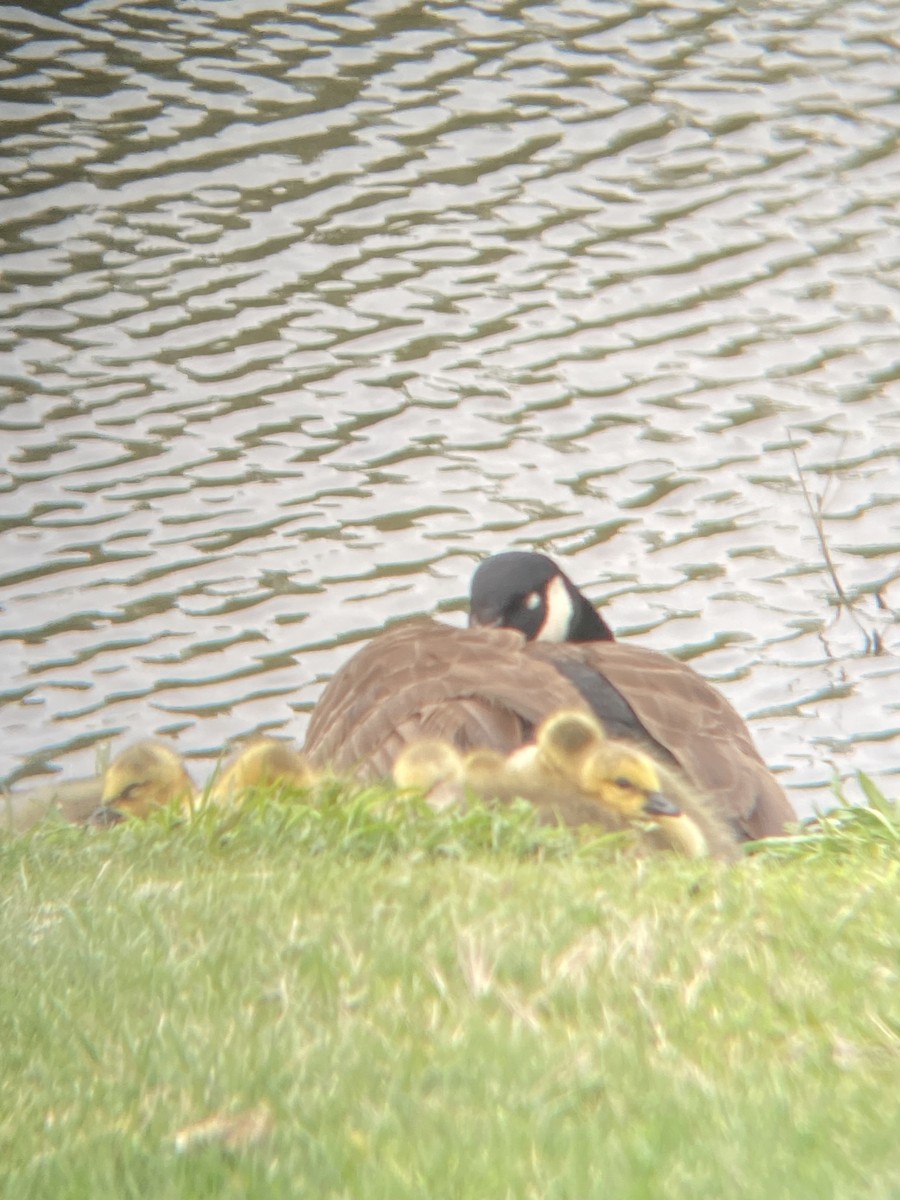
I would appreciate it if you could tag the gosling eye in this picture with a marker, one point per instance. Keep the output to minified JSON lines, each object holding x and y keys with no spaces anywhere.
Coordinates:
{"x":625,"y":784}
{"x":128,"y":793}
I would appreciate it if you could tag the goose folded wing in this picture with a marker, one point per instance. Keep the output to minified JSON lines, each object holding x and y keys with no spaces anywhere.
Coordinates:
{"x":474,"y":688}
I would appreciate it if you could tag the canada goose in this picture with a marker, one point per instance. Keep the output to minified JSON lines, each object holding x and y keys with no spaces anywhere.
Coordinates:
{"x":628,"y":785}
{"x":144,"y":777}
{"x":491,"y":687}
{"x":264,"y":762}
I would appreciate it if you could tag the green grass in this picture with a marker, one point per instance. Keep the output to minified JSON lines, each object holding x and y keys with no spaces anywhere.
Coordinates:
{"x":462,"y":1005}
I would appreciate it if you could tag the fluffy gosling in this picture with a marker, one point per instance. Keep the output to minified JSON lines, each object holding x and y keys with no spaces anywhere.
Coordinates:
{"x":434,"y":768}
{"x":265,"y":762}
{"x":486,"y":773}
{"x":146,"y":776}
{"x":628,"y":785}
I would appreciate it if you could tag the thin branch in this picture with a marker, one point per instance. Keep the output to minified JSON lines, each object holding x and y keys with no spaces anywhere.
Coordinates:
{"x":873,"y":640}
{"x":816,"y":513}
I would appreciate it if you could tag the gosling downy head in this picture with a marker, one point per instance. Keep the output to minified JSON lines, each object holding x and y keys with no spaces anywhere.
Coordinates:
{"x":626,"y":781}
{"x":265,"y":762}
{"x":486,"y":773}
{"x":145,"y":776}
{"x":567,"y":740}
{"x":434,"y":768}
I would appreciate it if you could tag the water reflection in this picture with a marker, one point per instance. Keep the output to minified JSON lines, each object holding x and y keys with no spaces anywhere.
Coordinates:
{"x":308,"y":310}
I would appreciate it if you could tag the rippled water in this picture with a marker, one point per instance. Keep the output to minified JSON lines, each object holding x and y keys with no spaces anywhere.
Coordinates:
{"x":307,"y":307}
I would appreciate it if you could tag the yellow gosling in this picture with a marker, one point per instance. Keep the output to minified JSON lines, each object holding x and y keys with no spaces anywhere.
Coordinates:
{"x":550,"y":765}
{"x":264,"y":762}
{"x":627,"y":781}
{"x":630,"y":786}
{"x":683,"y":833}
{"x":566,"y":741}
{"x":145,"y":776}
{"x":486,"y":773}
{"x":434,"y":768}
{"x":627,"y":778}
{"x":545,"y":772}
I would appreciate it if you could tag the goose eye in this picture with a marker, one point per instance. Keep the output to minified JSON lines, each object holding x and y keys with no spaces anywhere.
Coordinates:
{"x":532,"y":601}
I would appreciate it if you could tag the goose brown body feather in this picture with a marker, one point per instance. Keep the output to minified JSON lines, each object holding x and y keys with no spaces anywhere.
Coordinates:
{"x":487,"y":687}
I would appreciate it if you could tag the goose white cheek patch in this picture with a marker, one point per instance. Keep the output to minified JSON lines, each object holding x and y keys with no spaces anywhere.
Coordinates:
{"x":560,"y":611}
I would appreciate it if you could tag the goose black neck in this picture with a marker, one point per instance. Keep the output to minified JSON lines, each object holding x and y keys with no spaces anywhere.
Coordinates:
{"x":587,"y":625}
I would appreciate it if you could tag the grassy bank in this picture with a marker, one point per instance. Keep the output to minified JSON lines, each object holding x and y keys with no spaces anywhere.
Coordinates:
{"x":368,"y":1000}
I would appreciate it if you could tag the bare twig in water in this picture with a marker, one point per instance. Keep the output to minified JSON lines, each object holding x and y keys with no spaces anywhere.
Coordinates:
{"x":873,"y":638}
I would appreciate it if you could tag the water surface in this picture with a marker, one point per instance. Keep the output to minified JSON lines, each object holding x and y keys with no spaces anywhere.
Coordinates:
{"x":306,"y":309}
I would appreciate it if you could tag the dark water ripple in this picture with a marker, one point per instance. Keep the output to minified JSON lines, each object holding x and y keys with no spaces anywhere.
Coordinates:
{"x":305,"y":311}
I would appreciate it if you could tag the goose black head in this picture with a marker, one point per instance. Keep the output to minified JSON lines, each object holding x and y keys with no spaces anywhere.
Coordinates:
{"x":526,"y":591}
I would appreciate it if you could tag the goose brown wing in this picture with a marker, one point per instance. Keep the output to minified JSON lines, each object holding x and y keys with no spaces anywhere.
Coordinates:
{"x":473,"y":687}
{"x":694,"y":723}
